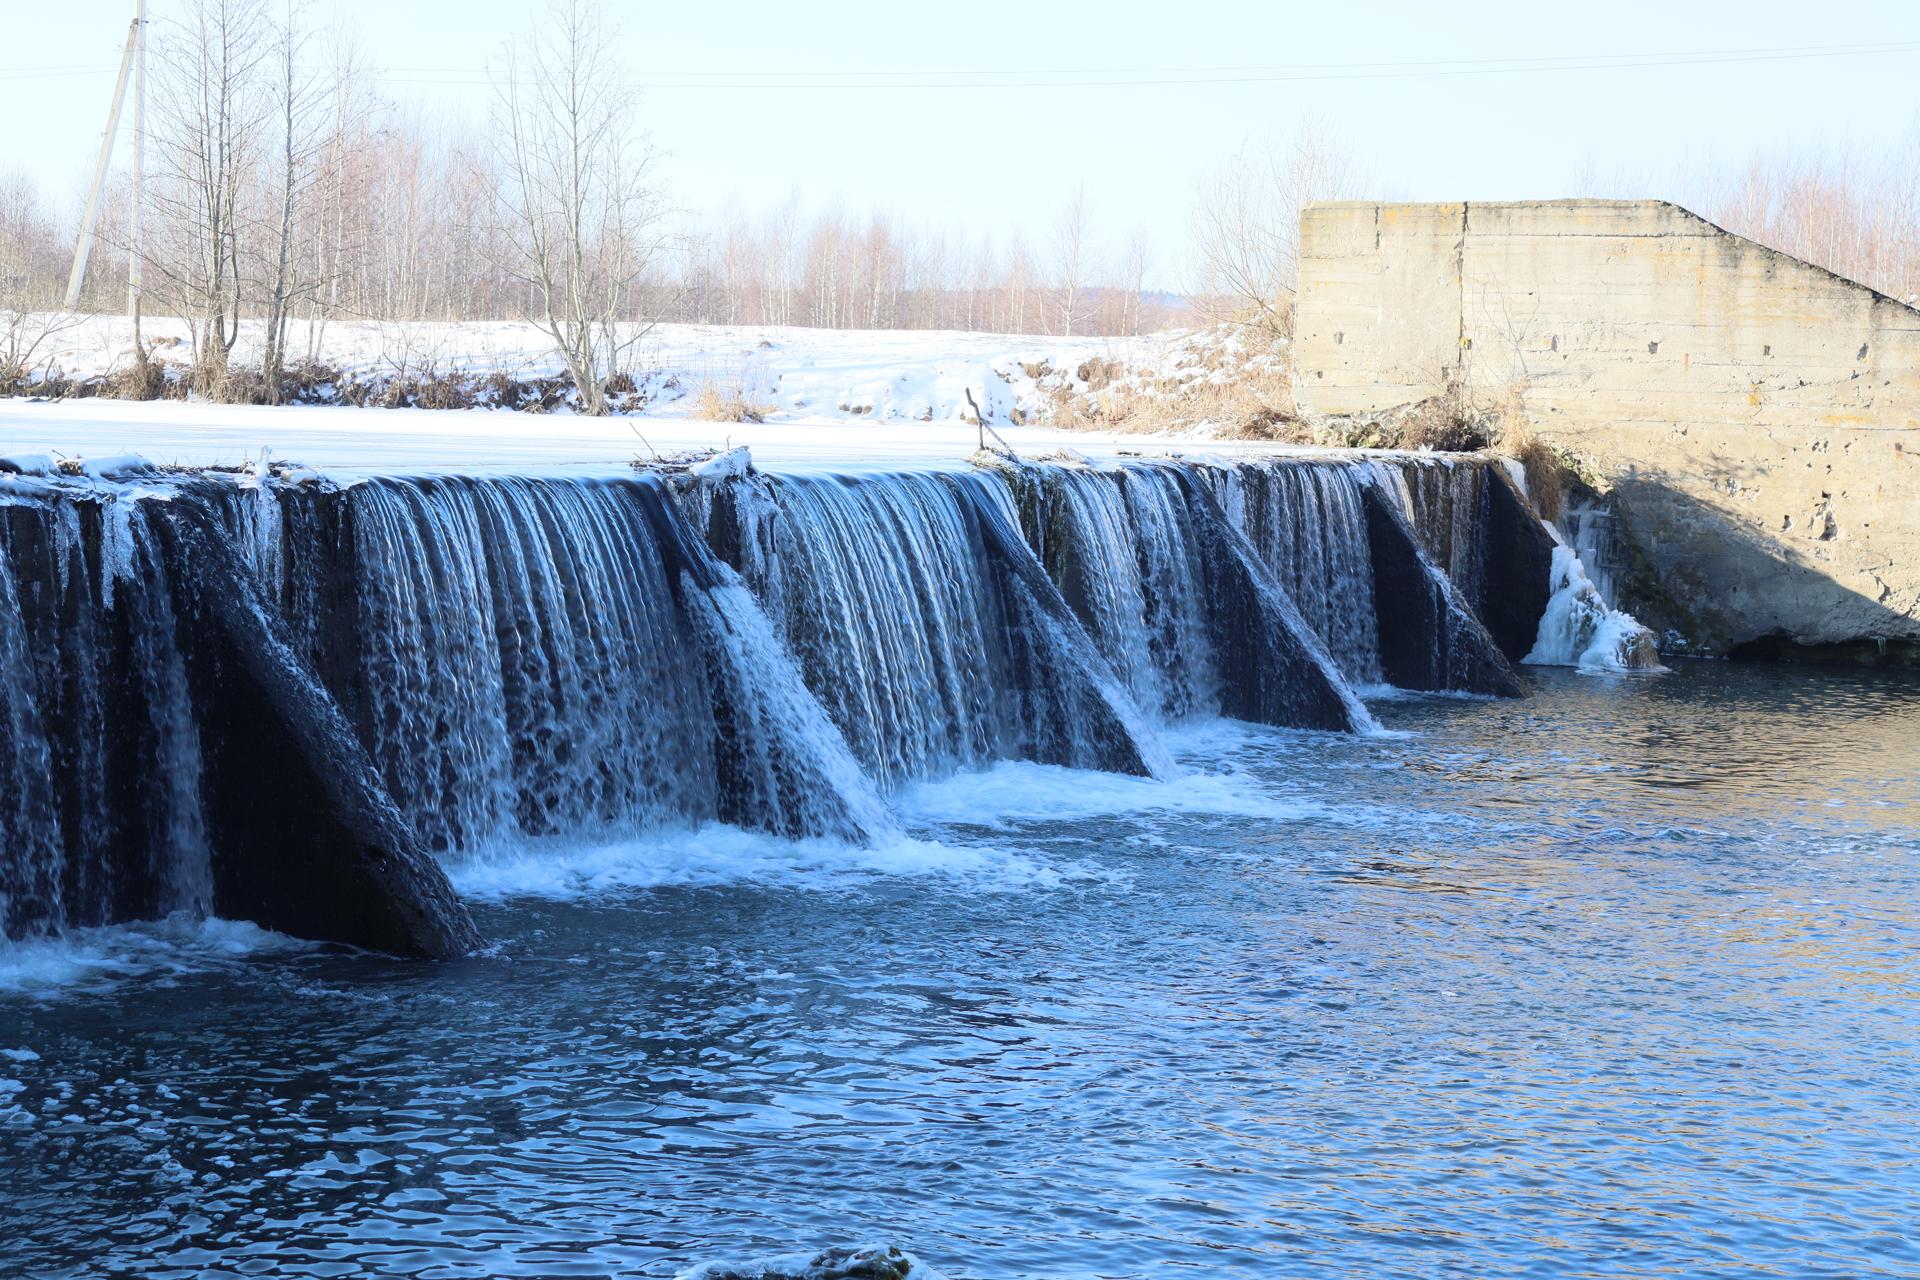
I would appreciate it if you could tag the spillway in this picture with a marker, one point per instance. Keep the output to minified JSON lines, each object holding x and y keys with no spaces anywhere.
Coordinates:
{"x":295,"y":702}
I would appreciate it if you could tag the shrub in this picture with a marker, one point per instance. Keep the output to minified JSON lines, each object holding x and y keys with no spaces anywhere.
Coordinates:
{"x":712,"y":404}
{"x":142,"y":380}
{"x":1444,"y":424}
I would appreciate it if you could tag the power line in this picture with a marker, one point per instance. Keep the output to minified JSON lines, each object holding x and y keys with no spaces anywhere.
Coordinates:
{"x":1548,"y":62}
{"x":800,"y":80}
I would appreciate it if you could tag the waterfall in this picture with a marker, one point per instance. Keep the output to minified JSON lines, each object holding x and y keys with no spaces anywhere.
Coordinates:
{"x":1588,"y":527}
{"x":31,"y":890}
{"x":1124,"y":558}
{"x":101,"y":754}
{"x":457,"y":666}
{"x":1581,"y":629}
{"x":1389,"y":563}
{"x":904,"y":600}
{"x":1308,"y":521}
{"x":1581,"y":626}
{"x":532,"y":657}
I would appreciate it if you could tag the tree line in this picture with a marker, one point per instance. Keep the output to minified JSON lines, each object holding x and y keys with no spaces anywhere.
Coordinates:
{"x":282,"y":190}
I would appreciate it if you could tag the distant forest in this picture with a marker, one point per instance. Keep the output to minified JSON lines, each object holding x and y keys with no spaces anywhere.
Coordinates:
{"x":280,"y":187}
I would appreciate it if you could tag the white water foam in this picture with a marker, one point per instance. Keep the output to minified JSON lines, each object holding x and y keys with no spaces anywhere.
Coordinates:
{"x":714,"y":855}
{"x":1018,"y":791}
{"x":86,"y":958}
{"x":1001,"y":799}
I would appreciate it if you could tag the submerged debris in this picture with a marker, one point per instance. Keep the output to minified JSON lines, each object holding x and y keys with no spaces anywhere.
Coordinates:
{"x":872,"y":1262}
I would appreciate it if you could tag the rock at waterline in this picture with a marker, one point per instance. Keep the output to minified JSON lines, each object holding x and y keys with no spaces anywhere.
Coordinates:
{"x":871,"y":1263}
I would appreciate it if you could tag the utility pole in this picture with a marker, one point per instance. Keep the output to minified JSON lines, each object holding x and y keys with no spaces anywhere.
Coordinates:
{"x":139,"y":164}
{"x":92,"y":215}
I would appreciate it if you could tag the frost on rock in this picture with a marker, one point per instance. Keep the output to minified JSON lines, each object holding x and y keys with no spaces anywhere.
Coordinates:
{"x":734,"y":463}
{"x":28,"y":464}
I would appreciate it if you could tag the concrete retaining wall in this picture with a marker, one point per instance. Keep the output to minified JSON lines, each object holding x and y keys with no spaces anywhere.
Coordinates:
{"x":1758,"y":418}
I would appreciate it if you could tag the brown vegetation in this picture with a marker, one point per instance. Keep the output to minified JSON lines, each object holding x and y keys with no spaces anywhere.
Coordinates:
{"x":714,"y":404}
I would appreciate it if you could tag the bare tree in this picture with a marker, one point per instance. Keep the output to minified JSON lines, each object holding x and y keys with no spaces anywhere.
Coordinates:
{"x":1246,"y":226}
{"x":287,"y":276}
{"x":577,"y":190}
{"x":30,"y":253}
{"x":1072,"y":258}
{"x":208,"y":125}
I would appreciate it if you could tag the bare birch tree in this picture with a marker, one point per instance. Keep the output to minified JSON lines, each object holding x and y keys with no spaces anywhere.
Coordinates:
{"x":577,"y":190}
{"x":1072,"y":258}
{"x":209,"y":115}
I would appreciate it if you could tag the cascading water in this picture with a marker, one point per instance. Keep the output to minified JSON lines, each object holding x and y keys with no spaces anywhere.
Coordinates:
{"x":1179,"y":600}
{"x":31,"y":892}
{"x":101,"y":824}
{"x":1580,"y":625}
{"x":904,"y":599}
{"x":1309,"y":523}
{"x":465,"y":665}
{"x":532,"y":658}
{"x":1589,"y":528}
{"x":1122,"y":557}
{"x":1580,"y":629}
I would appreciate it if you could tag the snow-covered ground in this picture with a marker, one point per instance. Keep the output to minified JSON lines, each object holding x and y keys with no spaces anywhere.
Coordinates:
{"x":345,"y":441}
{"x":892,"y":375}
{"x":829,"y":399}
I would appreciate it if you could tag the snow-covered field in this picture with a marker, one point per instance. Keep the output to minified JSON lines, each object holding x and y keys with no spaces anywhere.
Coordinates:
{"x":891,"y":375}
{"x":829,"y":398}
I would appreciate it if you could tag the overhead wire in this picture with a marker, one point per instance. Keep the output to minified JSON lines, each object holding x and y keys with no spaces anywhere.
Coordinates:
{"x":894,"y":80}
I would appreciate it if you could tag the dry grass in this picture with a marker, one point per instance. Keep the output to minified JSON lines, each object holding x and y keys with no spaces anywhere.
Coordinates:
{"x":1236,"y":383}
{"x":726,"y":404}
{"x":1545,"y":470}
{"x":1444,"y":424}
{"x":136,"y":380}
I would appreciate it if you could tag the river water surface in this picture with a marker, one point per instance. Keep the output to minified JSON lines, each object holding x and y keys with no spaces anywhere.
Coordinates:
{"x":1617,"y":981}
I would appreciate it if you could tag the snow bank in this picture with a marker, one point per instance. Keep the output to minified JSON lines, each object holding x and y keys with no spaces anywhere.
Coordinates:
{"x":116,"y":466}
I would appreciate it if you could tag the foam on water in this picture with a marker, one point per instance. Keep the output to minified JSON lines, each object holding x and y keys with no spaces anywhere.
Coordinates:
{"x":1015,"y":792}
{"x":83,"y":959}
{"x":715,"y":855}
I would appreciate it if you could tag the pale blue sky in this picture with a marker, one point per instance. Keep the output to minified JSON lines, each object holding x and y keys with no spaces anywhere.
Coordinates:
{"x":987,"y":160}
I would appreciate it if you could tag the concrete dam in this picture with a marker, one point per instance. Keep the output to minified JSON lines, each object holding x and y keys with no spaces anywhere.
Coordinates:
{"x":276,"y":698}
{"x":1751,"y":421}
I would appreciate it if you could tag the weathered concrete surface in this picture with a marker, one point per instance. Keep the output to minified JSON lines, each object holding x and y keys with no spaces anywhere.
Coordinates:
{"x":1757,"y":418}
{"x":1429,"y":638}
{"x":304,"y":838}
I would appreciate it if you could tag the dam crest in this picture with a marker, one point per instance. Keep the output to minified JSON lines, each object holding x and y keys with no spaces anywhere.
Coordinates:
{"x":276,"y":698}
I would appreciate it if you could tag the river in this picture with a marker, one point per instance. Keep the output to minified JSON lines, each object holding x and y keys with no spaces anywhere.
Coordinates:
{"x":1617,"y":980}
